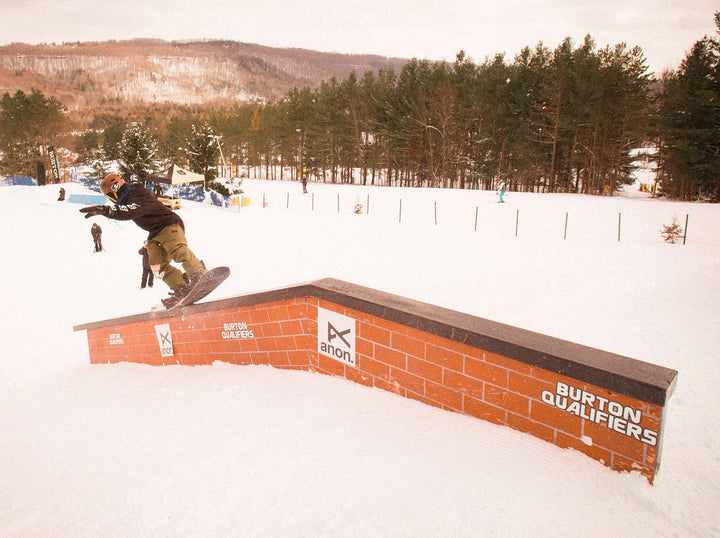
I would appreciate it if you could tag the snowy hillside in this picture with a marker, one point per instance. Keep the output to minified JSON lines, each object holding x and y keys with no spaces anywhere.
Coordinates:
{"x":222,"y":450}
{"x":152,"y":70}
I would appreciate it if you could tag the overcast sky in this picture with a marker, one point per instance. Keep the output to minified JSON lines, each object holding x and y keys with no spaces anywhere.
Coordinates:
{"x":430,"y":29}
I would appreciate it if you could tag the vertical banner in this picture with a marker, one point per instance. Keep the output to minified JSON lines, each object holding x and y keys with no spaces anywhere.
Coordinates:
{"x":54,"y":165}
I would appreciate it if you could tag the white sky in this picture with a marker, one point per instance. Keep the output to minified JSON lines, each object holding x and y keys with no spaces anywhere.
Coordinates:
{"x":431,"y":29}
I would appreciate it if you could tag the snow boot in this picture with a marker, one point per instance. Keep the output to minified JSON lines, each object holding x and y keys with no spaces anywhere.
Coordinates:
{"x":193,"y":278}
{"x":177,"y":295}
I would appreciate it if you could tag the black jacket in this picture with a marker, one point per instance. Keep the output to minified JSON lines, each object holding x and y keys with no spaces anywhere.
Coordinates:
{"x":136,"y":203}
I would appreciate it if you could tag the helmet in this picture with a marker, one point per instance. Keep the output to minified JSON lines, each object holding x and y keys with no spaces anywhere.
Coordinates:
{"x":111,"y":185}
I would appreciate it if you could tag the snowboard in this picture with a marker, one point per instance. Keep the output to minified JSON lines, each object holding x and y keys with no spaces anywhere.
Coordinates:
{"x":206,"y":284}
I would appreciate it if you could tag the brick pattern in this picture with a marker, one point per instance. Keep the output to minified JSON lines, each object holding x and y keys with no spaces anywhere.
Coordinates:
{"x":605,"y":426}
{"x":275,"y":333}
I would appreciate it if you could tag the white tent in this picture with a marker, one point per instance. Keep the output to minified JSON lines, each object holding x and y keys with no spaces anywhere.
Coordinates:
{"x":175,"y":176}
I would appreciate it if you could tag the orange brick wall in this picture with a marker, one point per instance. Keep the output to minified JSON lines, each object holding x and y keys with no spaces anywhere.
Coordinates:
{"x":464,"y":379}
{"x":407,"y":361}
{"x":279,"y":337}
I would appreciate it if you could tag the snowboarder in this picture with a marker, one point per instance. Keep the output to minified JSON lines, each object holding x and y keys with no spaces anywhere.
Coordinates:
{"x":501,"y":192}
{"x":147,"y":274}
{"x":166,"y":233}
{"x":96,"y":232}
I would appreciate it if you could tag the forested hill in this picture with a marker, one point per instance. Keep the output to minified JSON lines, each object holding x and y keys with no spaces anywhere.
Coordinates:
{"x":149,"y":70}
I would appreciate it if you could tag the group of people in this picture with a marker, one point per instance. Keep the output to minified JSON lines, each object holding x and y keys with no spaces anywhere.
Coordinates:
{"x":166,"y":241}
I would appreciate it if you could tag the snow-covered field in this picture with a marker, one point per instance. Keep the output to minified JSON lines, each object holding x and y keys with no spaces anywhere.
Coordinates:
{"x":223,"y":450}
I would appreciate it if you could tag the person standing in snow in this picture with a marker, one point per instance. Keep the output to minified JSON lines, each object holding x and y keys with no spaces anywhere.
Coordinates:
{"x":166,"y":240}
{"x":96,"y":232}
{"x":501,"y":191}
{"x":147,"y":274}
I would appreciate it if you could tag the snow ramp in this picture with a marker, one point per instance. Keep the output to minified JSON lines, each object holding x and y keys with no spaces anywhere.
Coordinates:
{"x":607,"y":406}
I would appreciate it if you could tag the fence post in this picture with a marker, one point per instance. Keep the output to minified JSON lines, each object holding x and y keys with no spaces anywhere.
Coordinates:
{"x":435,"y":212}
{"x":566,"y":221}
{"x":517,"y":221}
{"x":619,"y":222}
{"x":476,"y":217}
{"x":288,"y":201}
{"x":687,"y":216}
{"x":400,"y":212}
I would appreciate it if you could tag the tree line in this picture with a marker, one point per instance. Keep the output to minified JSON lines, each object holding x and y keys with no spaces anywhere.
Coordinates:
{"x":28,"y":123}
{"x":562,"y":120}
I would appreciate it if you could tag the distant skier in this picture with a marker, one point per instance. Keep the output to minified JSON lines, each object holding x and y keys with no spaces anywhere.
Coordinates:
{"x":166,"y":233}
{"x":96,"y":232}
{"x":501,"y":192}
{"x":61,"y":195}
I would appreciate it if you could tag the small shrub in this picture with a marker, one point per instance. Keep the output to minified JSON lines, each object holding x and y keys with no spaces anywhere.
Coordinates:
{"x":672,"y":232}
{"x":218,"y":187}
{"x":358,"y":209}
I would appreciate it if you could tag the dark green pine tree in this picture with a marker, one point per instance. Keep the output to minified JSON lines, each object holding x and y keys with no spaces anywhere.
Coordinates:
{"x":203,"y":152}
{"x":28,"y":123}
{"x":111,"y":139}
{"x":690,"y":124}
{"x":137,"y":152}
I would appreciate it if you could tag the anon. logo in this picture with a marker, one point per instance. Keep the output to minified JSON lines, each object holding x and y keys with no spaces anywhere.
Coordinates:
{"x":334,"y":333}
{"x":164,"y":338}
{"x":336,"y":336}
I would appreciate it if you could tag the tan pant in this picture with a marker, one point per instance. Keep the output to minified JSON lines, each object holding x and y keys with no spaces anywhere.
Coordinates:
{"x":170,"y":245}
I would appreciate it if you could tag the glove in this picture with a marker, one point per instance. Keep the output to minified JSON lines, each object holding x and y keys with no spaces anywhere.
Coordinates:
{"x":94,"y":210}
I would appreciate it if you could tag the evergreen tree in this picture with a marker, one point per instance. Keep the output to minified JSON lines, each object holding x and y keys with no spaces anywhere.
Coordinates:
{"x":99,"y":169}
{"x":137,"y":152}
{"x":203,"y":152}
{"x":28,"y":123}
{"x":172,"y":144}
{"x":690,"y":124}
{"x":112,"y":137}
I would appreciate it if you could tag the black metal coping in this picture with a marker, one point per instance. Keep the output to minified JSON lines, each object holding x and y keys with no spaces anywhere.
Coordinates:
{"x":638,"y":379}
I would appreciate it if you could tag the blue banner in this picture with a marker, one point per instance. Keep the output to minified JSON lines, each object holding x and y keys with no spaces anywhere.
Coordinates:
{"x":185,"y":192}
{"x":18,"y":180}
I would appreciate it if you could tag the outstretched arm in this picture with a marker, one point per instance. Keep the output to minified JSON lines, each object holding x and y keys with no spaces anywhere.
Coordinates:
{"x":118,"y":212}
{"x":94,"y":210}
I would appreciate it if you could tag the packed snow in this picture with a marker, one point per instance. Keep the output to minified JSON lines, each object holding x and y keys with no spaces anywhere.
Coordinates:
{"x":225,"y":450}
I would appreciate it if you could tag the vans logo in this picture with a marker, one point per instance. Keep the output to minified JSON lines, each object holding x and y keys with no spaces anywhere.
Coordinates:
{"x":336,"y":336}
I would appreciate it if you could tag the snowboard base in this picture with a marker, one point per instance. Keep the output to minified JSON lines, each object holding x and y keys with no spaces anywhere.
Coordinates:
{"x":207,"y":283}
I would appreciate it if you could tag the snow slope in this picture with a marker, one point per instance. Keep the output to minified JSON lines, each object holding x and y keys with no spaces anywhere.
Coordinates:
{"x":222,"y":450}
